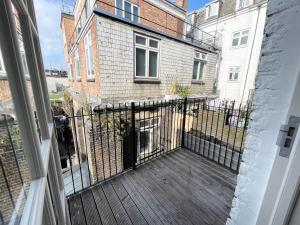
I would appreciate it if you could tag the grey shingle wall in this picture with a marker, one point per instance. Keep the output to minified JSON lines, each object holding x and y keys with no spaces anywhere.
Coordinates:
{"x":116,"y":51}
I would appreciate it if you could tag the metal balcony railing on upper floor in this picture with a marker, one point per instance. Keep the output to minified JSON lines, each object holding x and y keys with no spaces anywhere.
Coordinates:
{"x":181,"y":31}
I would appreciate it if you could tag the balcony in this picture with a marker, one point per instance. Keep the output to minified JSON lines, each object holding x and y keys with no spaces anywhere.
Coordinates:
{"x":164,"y":162}
{"x":177,"y":188}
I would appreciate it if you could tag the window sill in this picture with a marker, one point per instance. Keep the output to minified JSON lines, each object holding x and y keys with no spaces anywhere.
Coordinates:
{"x":78,"y":79}
{"x":147,"y":81}
{"x":90,"y":79}
{"x":199,"y":82}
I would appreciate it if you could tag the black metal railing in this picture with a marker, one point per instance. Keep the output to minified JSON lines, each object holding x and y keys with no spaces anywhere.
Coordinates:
{"x":98,"y":144}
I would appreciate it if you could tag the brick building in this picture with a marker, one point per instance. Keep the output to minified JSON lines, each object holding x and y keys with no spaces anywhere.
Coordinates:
{"x":133,"y":50}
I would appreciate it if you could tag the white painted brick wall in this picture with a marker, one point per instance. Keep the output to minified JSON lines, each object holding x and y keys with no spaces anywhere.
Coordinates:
{"x":116,"y":50}
{"x":275,"y":82}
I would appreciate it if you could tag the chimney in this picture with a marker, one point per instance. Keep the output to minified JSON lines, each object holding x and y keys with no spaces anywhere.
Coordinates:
{"x":182,"y":4}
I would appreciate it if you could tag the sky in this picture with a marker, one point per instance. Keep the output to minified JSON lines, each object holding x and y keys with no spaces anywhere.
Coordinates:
{"x":48,"y":19}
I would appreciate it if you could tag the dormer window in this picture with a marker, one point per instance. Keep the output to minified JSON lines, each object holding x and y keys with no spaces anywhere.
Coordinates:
{"x":243,"y":4}
{"x":212,"y":9}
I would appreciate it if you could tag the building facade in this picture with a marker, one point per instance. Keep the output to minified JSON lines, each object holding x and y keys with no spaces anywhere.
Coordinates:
{"x":240,"y":24}
{"x":133,"y":50}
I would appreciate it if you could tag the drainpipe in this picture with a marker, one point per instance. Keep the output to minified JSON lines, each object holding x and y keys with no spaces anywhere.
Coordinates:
{"x":249,"y":61}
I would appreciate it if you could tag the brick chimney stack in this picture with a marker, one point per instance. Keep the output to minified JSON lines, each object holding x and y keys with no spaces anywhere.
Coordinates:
{"x":182,"y":4}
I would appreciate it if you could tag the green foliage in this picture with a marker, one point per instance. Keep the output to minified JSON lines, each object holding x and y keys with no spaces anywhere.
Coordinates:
{"x":182,"y":91}
{"x":67,"y":103}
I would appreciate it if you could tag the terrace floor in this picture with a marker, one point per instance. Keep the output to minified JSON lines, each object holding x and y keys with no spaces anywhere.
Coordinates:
{"x":177,"y":188}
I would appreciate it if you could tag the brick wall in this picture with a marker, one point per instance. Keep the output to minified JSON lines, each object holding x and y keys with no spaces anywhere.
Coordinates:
{"x":12,"y":156}
{"x":116,"y":63}
{"x":5,"y":90}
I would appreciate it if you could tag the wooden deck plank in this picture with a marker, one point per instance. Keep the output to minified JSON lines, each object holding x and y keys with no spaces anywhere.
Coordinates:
{"x":115,"y":204}
{"x":144,"y":206}
{"x":177,"y":214}
{"x":76,"y":211}
{"x":210,"y":207}
{"x":106,"y":214}
{"x":177,"y":188}
{"x":133,"y":212}
{"x":90,"y":209}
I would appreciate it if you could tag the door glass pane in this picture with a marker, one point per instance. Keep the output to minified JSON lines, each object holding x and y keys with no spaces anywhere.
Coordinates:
{"x":127,"y":10}
{"x":144,"y":142}
{"x":152,"y":64}
{"x":14,"y":171}
{"x":140,"y":62}
{"x":119,"y":8}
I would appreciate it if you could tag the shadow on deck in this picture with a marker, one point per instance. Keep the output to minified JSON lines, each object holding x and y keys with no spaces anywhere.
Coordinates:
{"x":177,"y":188}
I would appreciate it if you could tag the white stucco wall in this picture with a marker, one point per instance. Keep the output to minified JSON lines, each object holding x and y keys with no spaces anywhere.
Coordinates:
{"x":276,"y":84}
{"x":245,"y":57}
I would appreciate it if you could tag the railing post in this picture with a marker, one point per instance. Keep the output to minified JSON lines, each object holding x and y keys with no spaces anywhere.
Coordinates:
{"x":183,"y":122}
{"x":134,"y":150}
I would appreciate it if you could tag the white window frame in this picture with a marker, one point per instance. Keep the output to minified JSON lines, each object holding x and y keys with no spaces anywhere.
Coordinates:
{"x":234,"y":70}
{"x":88,"y":50}
{"x":131,"y":8}
{"x":209,"y":8}
{"x":147,"y":48}
{"x":238,"y":2}
{"x":240,"y":38}
{"x":2,"y":63}
{"x":202,"y":59}
{"x":149,"y":128}
{"x":77,"y":66}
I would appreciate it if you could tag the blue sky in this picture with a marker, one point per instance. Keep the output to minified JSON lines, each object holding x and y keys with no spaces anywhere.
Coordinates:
{"x":48,"y":19}
{"x":196,"y":4}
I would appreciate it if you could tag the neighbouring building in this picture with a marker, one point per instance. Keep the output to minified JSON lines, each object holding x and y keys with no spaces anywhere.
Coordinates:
{"x":240,"y":24}
{"x":133,"y":50}
{"x":57,"y":80}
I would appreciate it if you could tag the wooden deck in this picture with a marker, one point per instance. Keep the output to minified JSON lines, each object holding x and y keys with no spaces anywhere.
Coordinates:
{"x":178,"y":188}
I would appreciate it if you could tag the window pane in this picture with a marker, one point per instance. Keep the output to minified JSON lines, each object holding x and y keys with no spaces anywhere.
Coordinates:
{"x":140,"y":40}
{"x":236,"y":76}
{"x":135,"y":14}
{"x":91,"y":61}
{"x":201,"y":70}
{"x":119,"y":11}
{"x":14,"y":165}
{"x":230,"y":76}
{"x":127,"y":10}
{"x":235,"y":42}
{"x":153,"y":43}
{"x":195,"y":69}
{"x":244,"y":40}
{"x":145,"y":142}
{"x":153,"y":64}
{"x":140,"y":62}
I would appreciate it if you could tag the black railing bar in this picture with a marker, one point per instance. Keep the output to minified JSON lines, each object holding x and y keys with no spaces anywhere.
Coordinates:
{"x":14,"y":152}
{"x":171,"y":128}
{"x":108,"y":140}
{"x":216,"y":133}
{"x":168,"y":129}
{"x":144,"y":134}
{"x":236,"y":126}
{"x":158,"y":127}
{"x":114,"y":133}
{"x":197,"y":121}
{"x":211,"y":127}
{"x":101,"y":145}
{"x":207,"y":112}
{"x":229,"y":126}
{"x":94,"y":145}
{"x":193,"y":143}
{"x":85,"y":145}
{"x":71,"y":168}
{"x":153,"y":130}
{"x":139,"y":130}
{"x":133,"y":131}
{"x":224,"y":119}
{"x":121,"y":134}
{"x":77,"y":148}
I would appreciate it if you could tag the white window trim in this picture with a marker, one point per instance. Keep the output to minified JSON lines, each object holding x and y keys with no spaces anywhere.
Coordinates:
{"x":147,"y":48}
{"x":237,"y":7}
{"x":240,"y":38}
{"x":211,"y":4}
{"x":235,"y":69}
{"x":123,"y":10}
{"x":200,"y":59}
{"x":89,"y":58}
{"x":2,"y":63}
{"x":78,"y":75}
